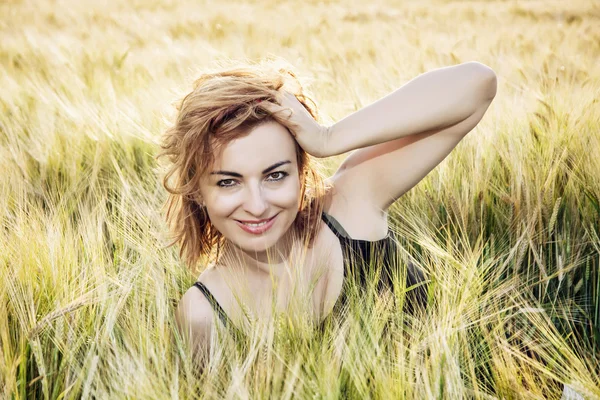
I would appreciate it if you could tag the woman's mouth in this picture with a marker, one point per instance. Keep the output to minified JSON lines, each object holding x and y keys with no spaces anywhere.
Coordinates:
{"x":257,"y":228}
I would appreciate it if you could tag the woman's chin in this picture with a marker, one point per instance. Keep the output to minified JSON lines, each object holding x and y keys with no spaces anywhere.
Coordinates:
{"x":259,"y":245}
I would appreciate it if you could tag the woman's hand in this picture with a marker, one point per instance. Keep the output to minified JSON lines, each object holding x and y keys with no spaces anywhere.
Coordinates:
{"x":310,"y":135}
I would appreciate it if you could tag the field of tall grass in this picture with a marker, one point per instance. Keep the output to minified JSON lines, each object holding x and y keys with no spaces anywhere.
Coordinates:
{"x":507,"y":227}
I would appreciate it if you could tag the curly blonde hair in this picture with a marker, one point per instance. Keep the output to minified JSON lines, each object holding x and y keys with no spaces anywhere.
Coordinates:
{"x":225,"y":105}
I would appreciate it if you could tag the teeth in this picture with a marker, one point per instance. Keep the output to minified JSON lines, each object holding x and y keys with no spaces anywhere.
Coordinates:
{"x":260,"y":224}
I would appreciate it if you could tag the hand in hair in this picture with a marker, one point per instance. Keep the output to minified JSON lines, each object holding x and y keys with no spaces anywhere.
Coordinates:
{"x":310,"y":135}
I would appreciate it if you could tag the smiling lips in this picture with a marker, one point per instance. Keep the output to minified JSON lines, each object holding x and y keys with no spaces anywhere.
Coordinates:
{"x":257,"y":227}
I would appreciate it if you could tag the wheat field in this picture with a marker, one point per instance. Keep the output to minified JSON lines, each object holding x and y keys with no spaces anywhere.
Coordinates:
{"x":506,"y":228}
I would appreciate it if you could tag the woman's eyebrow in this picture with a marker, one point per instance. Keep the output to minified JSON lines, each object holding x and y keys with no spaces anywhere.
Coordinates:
{"x":235,"y":174}
{"x":276,"y":165}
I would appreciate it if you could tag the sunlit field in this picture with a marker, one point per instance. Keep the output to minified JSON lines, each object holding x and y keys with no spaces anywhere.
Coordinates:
{"x":506,"y":228}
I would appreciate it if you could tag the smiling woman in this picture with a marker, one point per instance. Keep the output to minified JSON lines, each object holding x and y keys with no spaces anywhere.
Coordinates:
{"x":240,"y":188}
{"x":242,"y":174}
{"x":212,"y":133}
{"x":258,"y":201}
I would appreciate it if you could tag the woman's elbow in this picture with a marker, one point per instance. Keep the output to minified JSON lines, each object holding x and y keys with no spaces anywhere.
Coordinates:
{"x":487,"y":82}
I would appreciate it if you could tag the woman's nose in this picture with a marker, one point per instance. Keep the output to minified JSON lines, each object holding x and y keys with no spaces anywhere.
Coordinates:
{"x":255,"y":202}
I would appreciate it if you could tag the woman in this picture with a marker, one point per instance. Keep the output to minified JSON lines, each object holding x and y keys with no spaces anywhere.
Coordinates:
{"x":243,"y":189}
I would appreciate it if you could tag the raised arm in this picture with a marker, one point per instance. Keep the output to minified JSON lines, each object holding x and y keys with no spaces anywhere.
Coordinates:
{"x":434,"y":100}
{"x":398,"y":139}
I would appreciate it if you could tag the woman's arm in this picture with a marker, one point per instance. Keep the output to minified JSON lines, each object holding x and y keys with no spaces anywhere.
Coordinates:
{"x":398,"y":139}
{"x":432,"y":101}
{"x":423,"y":122}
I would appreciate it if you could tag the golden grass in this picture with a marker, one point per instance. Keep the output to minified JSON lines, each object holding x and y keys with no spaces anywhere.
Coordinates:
{"x":506,"y":227}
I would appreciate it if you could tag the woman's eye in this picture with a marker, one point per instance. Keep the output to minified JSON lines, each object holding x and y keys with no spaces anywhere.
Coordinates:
{"x":226,"y":183}
{"x":277,"y":176}
{"x":273,"y":177}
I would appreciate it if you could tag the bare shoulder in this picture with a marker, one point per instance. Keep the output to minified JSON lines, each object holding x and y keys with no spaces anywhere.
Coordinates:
{"x":194,"y":314}
{"x":194,"y":318}
{"x":194,"y":308}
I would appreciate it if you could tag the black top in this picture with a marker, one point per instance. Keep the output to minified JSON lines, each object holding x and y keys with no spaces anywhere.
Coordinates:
{"x":364,"y":262}
{"x":374,"y":262}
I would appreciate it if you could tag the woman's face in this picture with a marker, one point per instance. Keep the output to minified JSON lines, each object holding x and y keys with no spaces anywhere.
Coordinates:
{"x":252,"y":193}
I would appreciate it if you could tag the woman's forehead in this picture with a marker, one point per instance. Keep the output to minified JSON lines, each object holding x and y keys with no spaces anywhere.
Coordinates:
{"x":264,"y":146}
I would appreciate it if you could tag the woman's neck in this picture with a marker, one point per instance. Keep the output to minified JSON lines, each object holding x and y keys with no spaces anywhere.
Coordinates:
{"x":270,"y":262}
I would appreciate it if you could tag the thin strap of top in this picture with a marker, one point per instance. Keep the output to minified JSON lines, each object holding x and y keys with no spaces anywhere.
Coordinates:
{"x":215,"y":305}
{"x":335,"y":226}
{"x":341,"y":233}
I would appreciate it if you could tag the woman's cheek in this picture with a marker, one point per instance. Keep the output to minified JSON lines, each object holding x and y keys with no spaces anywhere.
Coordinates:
{"x":287,"y":196}
{"x":226,"y":205}
{"x":221,"y":205}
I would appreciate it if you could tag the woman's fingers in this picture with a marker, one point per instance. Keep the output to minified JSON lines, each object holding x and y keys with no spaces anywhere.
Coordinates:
{"x":276,"y":108}
{"x":283,"y":111}
{"x":270,"y":106}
